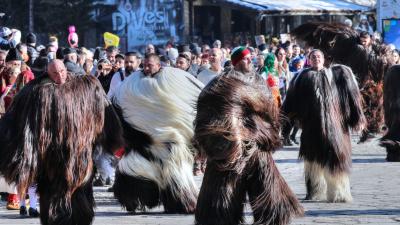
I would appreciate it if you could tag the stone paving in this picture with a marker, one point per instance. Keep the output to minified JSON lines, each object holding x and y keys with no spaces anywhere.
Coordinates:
{"x":375,"y":187}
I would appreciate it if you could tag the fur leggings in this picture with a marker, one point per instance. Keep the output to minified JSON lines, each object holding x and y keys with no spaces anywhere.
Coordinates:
{"x":322,"y":184}
{"x":223,"y":194}
{"x":56,"y":210}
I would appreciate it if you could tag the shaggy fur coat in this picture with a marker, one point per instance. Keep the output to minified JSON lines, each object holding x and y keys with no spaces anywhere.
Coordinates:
{"x":391,"y":140}
{"x":237,"y":128}
{"x":326,"y":104}
{"x":48,"y":136}
{"x":157,"y":114}
{"x":340,"y":44}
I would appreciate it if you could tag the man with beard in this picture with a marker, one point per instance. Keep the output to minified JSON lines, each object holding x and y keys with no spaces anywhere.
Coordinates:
{"x":111,"y":52}
{"x":365,"y":40}
{"x":241,"y":60}
{"x":132,"y":63}
{"x":105,"y":162}
{"x":157,"y":110}
{"x":183,"y":61}
{"x":326,"y":102}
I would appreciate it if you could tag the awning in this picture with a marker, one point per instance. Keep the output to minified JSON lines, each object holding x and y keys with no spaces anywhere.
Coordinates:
{"x":368,"y":3}
{"x":303,"y":7}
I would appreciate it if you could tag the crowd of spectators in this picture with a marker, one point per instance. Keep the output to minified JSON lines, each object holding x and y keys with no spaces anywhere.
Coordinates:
{"x":21,"y":60}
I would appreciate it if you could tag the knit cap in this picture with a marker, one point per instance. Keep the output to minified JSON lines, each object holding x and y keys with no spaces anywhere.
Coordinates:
{"x":31,"y":38}
{"x":238,"y":54}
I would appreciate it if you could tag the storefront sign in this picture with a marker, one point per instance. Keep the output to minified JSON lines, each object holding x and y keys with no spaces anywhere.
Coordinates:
{"x":143,"y":22}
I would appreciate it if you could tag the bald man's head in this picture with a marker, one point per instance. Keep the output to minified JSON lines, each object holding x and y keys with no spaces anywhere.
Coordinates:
{"x":215,"y":57}
{"x":57,"y":71}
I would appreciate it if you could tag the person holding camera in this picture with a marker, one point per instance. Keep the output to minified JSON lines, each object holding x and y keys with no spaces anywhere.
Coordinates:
{"x":104,"y":68}
{"x":132,"y":64}
{"x":103,"y":160}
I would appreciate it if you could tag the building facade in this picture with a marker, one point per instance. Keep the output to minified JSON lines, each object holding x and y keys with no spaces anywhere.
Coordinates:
{"x":140,"y":22}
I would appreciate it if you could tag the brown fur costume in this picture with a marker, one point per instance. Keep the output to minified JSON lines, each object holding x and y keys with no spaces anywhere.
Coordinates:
{"x":327,"y":103}
{"x":237,"y":128}
{"x":47,"y":137}
{"x":340,"y":44}
{"x":391,"y":140}
{"x":372,"y":95}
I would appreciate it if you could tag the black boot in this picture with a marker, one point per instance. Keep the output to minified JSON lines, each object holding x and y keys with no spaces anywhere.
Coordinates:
{"x":33,"y":212}
{"x":287,"y":142}
{"x":293,"y":139}
{"x":366,"y":135}
{"x":393,"y":154}
{"x":22,"y":211}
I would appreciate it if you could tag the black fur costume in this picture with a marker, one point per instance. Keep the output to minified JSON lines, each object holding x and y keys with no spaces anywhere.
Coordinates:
{"x":47,"y":137}
{"x":326,"y":104}
{"x":340,"y":44}
{"x":391,"y":140}
{"x":238,"y":130}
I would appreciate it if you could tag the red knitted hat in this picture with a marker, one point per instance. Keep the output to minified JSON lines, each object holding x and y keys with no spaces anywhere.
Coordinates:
{"x":238,"y":54}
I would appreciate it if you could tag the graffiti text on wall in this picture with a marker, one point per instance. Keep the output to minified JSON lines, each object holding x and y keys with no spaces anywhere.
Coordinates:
{"x":145,"y":22}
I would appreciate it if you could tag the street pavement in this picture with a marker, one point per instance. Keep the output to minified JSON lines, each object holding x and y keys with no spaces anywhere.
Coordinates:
{"x":375,"y":186}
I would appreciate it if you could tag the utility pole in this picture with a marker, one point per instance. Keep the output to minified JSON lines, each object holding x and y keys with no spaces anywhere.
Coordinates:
{"x":30,"y":16}
{"x":191,"y":25}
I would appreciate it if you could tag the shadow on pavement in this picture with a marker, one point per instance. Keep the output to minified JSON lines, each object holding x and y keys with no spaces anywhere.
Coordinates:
{"x":16,"y":216}
{"x":370,"y":155}
{"x":288,"y":161}
{"x":376,"y":212}
{"x":367,"y":160}
{"x":107,"y":202}
{"x":289,"y":149}
{"x":156,"y":214}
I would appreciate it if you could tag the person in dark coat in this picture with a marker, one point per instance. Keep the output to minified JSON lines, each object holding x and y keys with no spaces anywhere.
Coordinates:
{"x":104,"y":73}
{"x":31,"y":46}
{"x":6,"y":39}
{"x":70,"y":61}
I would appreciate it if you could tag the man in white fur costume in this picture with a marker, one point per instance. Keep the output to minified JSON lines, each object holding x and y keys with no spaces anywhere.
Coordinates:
{"x":327,"y":103}
{"x":157,"y":107}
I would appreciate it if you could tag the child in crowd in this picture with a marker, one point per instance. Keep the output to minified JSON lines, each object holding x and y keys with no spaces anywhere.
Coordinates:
{"x":33,"y":212}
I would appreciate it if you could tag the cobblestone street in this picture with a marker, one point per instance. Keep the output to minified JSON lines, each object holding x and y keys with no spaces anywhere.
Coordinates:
{"x":375,"y":187}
